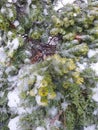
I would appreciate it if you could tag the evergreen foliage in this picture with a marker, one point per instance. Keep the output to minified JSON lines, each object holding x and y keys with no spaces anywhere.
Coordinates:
{"x":41,"y":51}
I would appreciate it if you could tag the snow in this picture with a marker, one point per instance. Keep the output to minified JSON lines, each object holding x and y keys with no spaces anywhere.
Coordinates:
{"x":13,"y":124}
{"x":28,"y":53}
{"x":16,"y":23}
{"x":92,"y":127}
{"x":14,"y":44}
{"x":14,"y":102}
{"x":53,"y":41}
{"x":3,"y":55}
{"x":95,"y":95}
{"x":33,"y":92}
{"x":26,"y":61}
{"x":9,"y":33}
{"x":13,"y":98}
{"x":38,"y":99}
{"x":59,"y":96}
{"x":29,"y":2}
{"x":10,"y":69}
{"x":27,"y":10}
{"x":10,"y":13}
{"x":64,"y":105}
{"x":40,"y":128}
{"x":3,"y":10}
{"x":24,"y":84}
{"x":61,"y":3}
{"x":45,"y":12}
{"x":53,"y":111}
{"x":39,"y":79}
{"x":14,"y":1}
{"x":95,"y":112}
{"x":57,"y":123}
{"x":92,"y":52}
{"x":94,"y":66}
{"x":81,"y":66}
{"x":1,"y":94}
{"x":22,"y":110}
{"x":10,"y":1}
